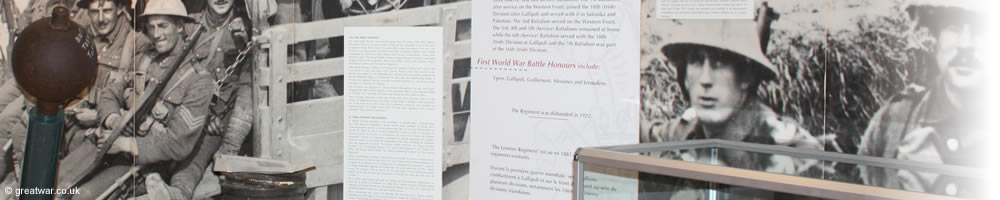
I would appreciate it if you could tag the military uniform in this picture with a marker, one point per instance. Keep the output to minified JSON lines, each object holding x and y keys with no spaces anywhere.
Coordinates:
{"x":755,"y":123}
{"x":231,"y":104}
{"x":115,"y":52}
{"x":217,"y":50}
{"x":115,"y":55}
{"x":921,"y":124}
{"x":181,"y":111}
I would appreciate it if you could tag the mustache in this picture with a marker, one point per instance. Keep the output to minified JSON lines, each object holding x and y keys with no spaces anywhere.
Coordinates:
{"x":965,"y":58}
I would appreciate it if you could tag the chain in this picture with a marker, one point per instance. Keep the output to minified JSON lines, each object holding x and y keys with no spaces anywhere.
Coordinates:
{"x":239,"y":58}
{"x":362,"y":6}
{"x":396,"y":5}
{"x":231,"y":69}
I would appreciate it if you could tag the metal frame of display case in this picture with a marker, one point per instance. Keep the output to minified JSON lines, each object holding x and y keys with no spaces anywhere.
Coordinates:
{"x":627,"y":157}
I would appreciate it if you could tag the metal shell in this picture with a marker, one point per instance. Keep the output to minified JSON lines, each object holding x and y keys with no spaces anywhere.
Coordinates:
{"x":54,"y":62}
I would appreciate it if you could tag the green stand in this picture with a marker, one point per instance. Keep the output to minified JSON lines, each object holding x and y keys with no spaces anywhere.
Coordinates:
{"x":41,"y":151}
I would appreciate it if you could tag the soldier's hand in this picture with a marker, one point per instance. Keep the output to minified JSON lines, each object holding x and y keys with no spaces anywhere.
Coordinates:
{"x":122,"y":145}
{"x":111,"y":120}
{"x":70,"y":111}
{"x":146,"y":125}
{"x":86,"y":117}
{"x":129,"y":95}
{"x":158,"y":128}
{"x":215,"y":126}
{"x":159,"y":111}
{"x":238,"y":29}
{"x":102,"y":136}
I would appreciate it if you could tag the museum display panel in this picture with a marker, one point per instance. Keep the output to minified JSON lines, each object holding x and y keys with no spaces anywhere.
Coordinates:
{"x":372,"y":99}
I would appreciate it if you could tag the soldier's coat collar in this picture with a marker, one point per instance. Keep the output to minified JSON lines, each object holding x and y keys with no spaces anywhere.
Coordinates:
{"x":161,"y":59}
{"x":744,"y":123}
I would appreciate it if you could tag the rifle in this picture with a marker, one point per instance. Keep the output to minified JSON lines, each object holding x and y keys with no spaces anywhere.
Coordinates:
{"x":8,"y":15}
{"x":73,"y":175}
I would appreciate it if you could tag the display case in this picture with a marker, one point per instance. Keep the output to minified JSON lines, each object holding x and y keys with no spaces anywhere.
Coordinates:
{"x":720,"y":169}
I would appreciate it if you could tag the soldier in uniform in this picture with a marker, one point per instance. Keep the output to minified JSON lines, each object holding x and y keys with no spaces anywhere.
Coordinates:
{"x":229,"y":121}
{"x":115,"y":42}
{"x":225,"y":36}
{"x":936,"y":122}
{"x":174,"y":125}
{"x":719,"y":73}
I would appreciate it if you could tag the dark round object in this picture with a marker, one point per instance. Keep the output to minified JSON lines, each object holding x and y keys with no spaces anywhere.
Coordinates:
{"x":54,"y":62}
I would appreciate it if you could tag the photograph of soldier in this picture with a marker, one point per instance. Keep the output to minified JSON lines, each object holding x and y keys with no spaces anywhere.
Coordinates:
{"x":937,"y":120}
{"x":891,"y":79}
{"x":121,"y":51}
{"x":174,"y":125}
{"x":11,"y":100}
{"x":115,"y":42}
{"x":230,"y":117}
{"x":719,"y":67}
{"x":173,"y":149}
{"x":13,"y":106}
{"x":712,"y":79}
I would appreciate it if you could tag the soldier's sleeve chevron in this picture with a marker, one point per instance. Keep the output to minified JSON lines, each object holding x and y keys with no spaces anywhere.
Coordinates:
{"x":189,"y":119}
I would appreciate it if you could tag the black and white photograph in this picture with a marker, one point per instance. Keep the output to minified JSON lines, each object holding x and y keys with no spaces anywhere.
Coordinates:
{"x":889,"y":79}
{"x":260,"y":79}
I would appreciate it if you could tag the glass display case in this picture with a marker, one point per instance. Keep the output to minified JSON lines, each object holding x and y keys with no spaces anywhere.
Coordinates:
{"x":720,"y":169}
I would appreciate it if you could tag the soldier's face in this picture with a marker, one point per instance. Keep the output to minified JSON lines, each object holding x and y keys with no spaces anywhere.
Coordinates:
{"x":714,"y":91}
{"x":164,"y":31}
{"x":958,"y":58}
{"x":220,"y":6}
{"x":103,"y":14}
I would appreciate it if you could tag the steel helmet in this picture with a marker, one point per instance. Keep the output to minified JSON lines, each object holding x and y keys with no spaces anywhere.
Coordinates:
{"x":738,"y":37}
{"x":166,"y":7}
{"x":936,"y":13}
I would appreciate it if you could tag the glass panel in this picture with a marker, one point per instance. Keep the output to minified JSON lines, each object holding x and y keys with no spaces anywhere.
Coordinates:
{"x":602,"y":182}
{"x":750,"y":160}
{"x":847,"y":172}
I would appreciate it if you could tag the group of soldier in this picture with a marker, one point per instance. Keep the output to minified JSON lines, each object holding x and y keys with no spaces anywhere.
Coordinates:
{"x":203,"y":109}
{"x":936,"y":121}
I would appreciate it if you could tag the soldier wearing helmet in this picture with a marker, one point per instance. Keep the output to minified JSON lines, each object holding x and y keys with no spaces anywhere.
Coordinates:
{"x":935,"y":121}
{"x":174,"y":124}
{"x":230,"y":116}
{"x":719,"y":66}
